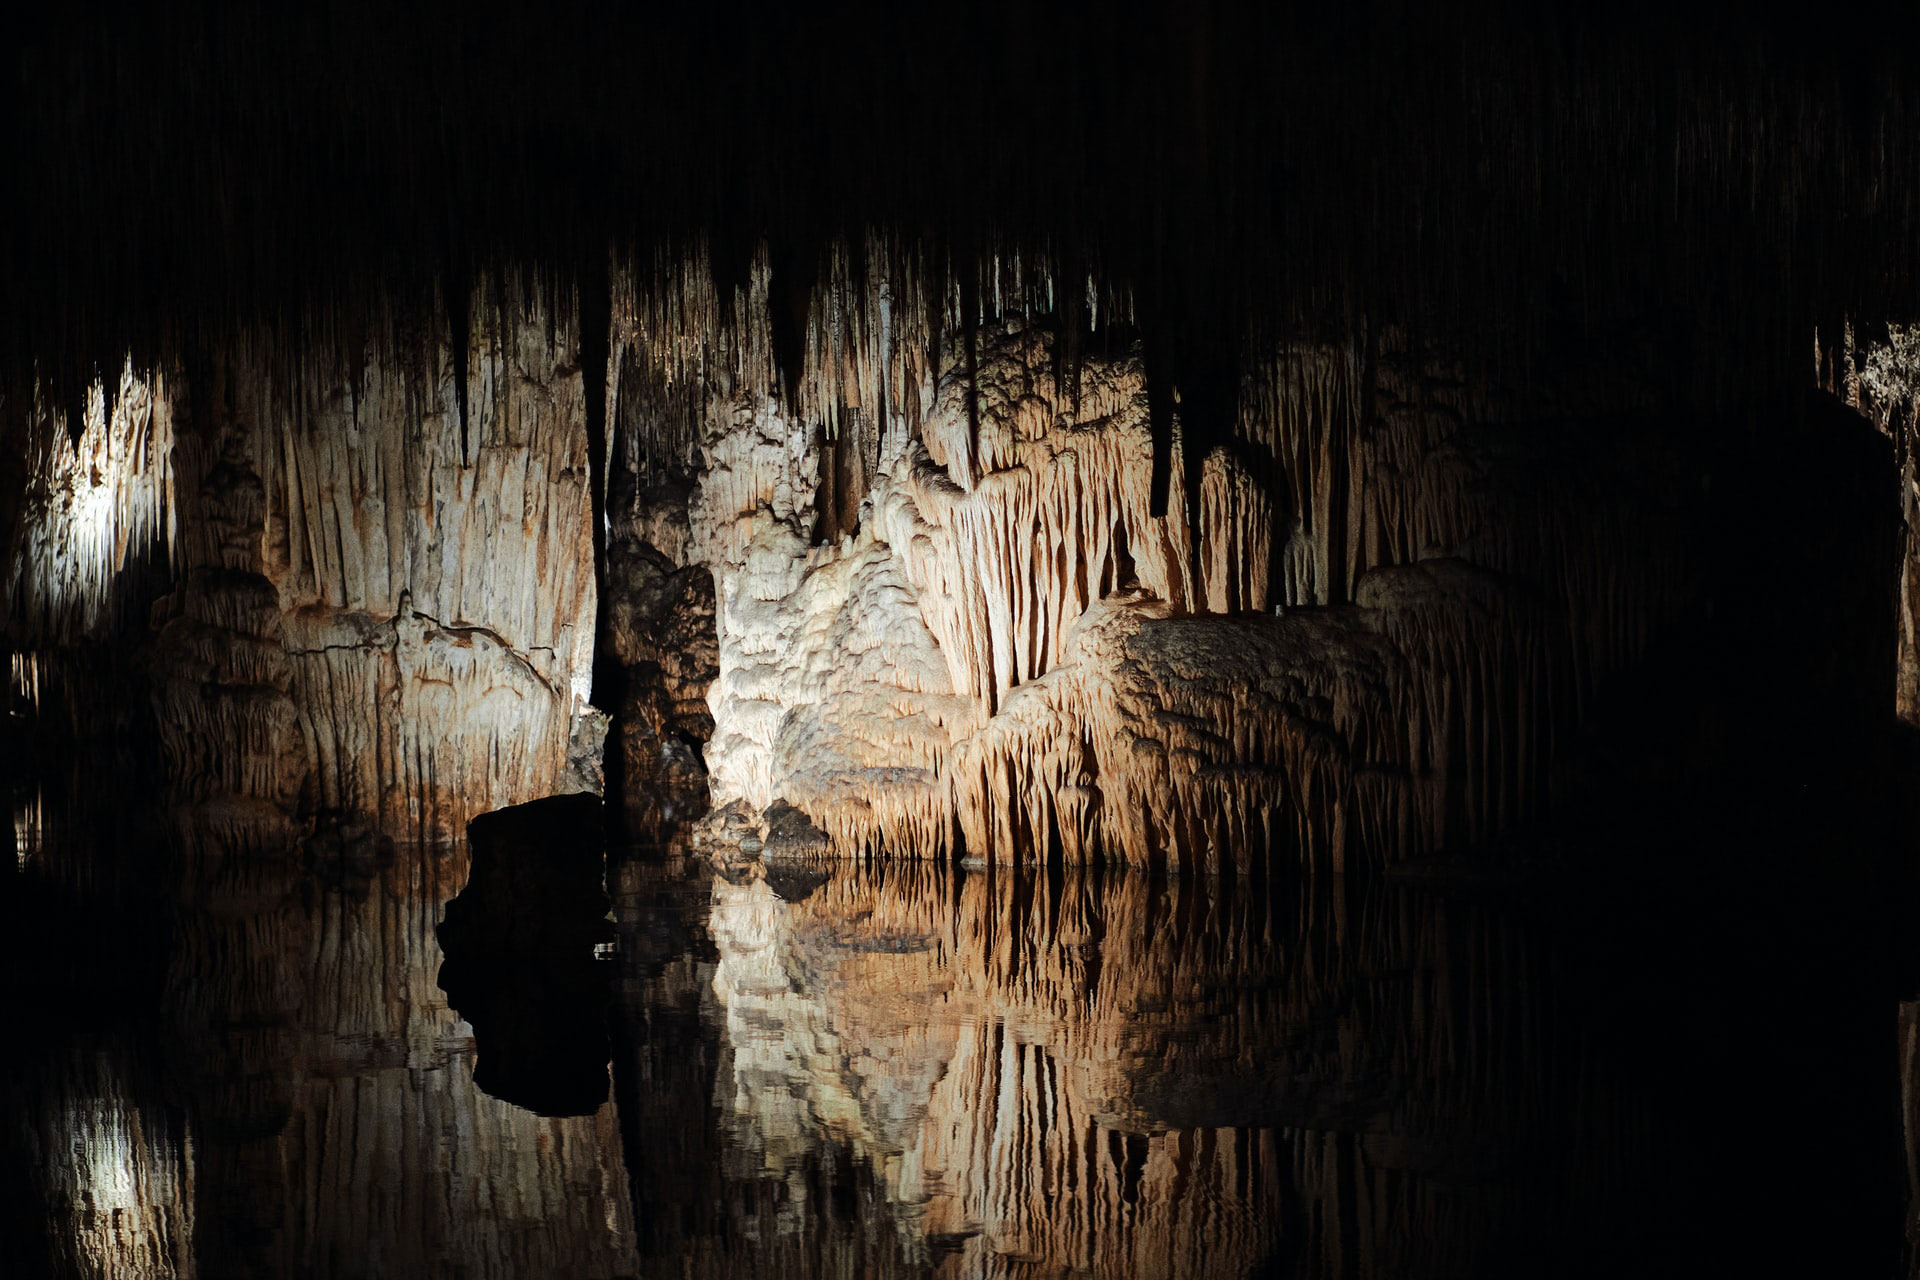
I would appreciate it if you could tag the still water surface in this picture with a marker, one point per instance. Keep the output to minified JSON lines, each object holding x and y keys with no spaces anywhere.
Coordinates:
{"x":855,"y":1069}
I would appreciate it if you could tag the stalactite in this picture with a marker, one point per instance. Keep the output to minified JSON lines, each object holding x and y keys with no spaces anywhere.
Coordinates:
{"x":996,"y":507}
{"x":1649,"y":174}
{"x":341,"y":557}
{"x":1103,"y":718}
{"x":99,"y":503}
{"x":459,"y":304}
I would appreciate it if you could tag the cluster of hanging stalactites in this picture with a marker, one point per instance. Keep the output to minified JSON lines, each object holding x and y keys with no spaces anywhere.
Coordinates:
{"x":98,"y":499}
{"x":859,"y":331}
{"x":862,"y":328}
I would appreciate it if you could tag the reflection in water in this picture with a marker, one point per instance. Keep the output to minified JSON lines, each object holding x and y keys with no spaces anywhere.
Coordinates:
{"x":25,"y":809}
{"x":115,"y":1170}
{"x":304,"y":1104}
{"x":856,"y":1069}
{"x":28,"y":822}
{"x":987,"y":1059}
{"x":340,"y":1127}
{"x":916,"y":1069}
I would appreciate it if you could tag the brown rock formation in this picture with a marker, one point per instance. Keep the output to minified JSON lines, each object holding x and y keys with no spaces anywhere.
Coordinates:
{"x":658,"y":625}
{"x":383,"y":595}
{"x":964,"y":667}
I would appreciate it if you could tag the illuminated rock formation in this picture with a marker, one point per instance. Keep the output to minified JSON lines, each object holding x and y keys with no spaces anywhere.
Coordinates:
{"x":961,"y":595}
{"x":1118,"y":324}
{"x":98,"y":500}
{"x":430,"y":546}
{"x":383,"y":595}
{"x":1011,"y":652}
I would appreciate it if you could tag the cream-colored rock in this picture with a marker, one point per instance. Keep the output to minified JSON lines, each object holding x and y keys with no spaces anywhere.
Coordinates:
{"x":427,"y":581}
{"x":904,"y":533}
{"x":1321,"y":737}
{"x":1112,"y":689}
{"x":760,"y":472}
{"x":99,"y":500}
{"x":438,"y":579}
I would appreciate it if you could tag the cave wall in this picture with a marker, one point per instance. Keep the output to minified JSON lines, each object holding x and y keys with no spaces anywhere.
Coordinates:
{"x":935,"y":564}
{"x":364,"y":587}
{"x":1355,"y":635}
{"x":430,"y":547}
{"x":1339,"y":254}
{"x":97,"y":498}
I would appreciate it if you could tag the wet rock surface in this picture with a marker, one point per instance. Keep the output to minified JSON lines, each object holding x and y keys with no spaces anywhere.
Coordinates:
{"x":659,"y":630}
{"x":346,"y":854}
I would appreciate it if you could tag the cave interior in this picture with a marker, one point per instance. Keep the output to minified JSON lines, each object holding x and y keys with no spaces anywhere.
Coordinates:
{"x":1010,"y":641}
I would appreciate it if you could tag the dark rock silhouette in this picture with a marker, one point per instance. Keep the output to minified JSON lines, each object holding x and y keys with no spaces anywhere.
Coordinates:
{"x":520,"y":954}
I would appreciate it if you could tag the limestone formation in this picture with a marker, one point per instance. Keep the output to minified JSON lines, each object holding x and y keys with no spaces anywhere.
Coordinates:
{"x":371,"y":583}
{"x":1882,"y":379}
{"x":1011,"y":654}
{"x":960,"y":599}
{"x":99,"y":501}
{"x":430,"y":543}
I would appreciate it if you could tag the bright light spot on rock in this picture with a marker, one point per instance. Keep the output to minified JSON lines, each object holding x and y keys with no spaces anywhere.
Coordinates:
{"x":93,"y":504}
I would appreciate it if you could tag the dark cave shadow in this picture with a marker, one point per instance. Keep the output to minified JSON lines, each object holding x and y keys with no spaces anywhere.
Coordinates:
{"x":521,"y":962}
